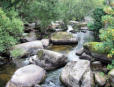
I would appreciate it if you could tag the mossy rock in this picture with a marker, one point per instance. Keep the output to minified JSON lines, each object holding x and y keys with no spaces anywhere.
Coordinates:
{"x":17,"y":53}
{"x":96,"y":47}
{"x":40,"y":54}
{"x":61,"y":36}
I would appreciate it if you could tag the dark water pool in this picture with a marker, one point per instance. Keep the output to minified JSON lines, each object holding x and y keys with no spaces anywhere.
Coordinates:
{"x":6,"y":72}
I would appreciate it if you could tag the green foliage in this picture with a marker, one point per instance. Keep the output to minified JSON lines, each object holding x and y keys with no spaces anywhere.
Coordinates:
{"x":76,"y":8}
{"x":11,"y":28}
{"x":91,"y":26}
{"x":102,"y":73}
{"x":51,"y":10}
{"x":108,"y":10}
{"x":97,"y":47}
{"x":110,"y":66}
{"x":107,"y":36}
{"x":108,"y":20}
{"x":41,"y":10}
{"x":97,"y":15}
{"x":16,"y":53}
{"x":97,"y":25}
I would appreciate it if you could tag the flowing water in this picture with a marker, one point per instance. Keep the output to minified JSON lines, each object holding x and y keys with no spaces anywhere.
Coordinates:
{"x":52,"y":79}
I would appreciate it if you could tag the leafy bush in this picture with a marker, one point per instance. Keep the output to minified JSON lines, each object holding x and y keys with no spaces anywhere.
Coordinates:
{"x":11,"y":28}
{"x":91,"y":26}
{"x":107,"y":36}
{"x":77,"y":8}
{"x":108,"y":20}
{"x":97,"y":15}
{"x":110,"y":66}
{"x":51,"y":10}
{"x":41,"y":10}
{"x":108,"y":10}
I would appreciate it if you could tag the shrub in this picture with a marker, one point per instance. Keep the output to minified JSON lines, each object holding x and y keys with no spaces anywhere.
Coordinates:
{"x":11,"y":28}
{"x":51,"y":10}
{"x":91,"y":26}
{"x":108,"y":10}
{"x":107,"y":36}
{"x":41,"y":10}
{"x":97,"y":15}
{"x":108,"y":20}
{"x":110,"y":66}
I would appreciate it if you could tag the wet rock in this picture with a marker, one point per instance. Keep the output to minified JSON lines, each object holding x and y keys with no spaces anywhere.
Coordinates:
{"x":82,"y":24}
{"x":87,"y":79}
{"x":100,"y":78}
{"x":49,"y":60}
{"x":111,"y":75}
{"x":20,"y":62}
{"x":97,"y":65}
{"x":84,"y":28}
{"x":28,"y":48}
{"x":73,"y":72}
{"x":3,"y":60}
{"x":73,"y":22}
{"x":37,"y":86}
{"x":88,"y":19}
{"x":45,"y":42}
{"x":27,"y":76}
{"x":69,"y":28}
{"x":29,"y":37}
{"x":63,"y":38}
{"x":80,"y":51}
{"x":30,"y":26}
{"x":86,"y":57}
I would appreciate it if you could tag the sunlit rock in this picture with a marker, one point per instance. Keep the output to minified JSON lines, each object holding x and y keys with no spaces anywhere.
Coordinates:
{"x":63,"y":38}
{"x":27,"y":76}
{"x":49,"y":60}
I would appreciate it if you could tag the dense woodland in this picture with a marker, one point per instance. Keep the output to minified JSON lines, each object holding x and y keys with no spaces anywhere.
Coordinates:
{"x":16,"y":15}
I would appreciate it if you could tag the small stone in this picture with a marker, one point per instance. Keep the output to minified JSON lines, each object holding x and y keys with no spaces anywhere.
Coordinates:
{"x":111,"y":75}
{"x":45,"y":42}
{"x":100,"y":78}
{"x":96,"y":65}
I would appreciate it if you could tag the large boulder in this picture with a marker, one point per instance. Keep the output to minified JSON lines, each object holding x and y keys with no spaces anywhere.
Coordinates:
{"x":111,"y":75}
{"x":28,"y":48}
{"x":27,"y":76}
{"x":63,"y":38}
{"x":49,"y":59}
{"x":73,"y":72}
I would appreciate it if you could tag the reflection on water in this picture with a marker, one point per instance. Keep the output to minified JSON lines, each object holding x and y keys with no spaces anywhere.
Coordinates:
{"x":61,"y":48}
{"x":6,"y":72}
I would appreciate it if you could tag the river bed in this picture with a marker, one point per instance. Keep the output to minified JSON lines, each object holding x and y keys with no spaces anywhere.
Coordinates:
{"x":52,"y":79}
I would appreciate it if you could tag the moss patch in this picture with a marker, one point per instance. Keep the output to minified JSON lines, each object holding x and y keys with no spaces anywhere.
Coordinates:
{"x":15,"y":53}
{"x":61,"y":36}
{"x":96,"y":47}
{"x":40,"y":54}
